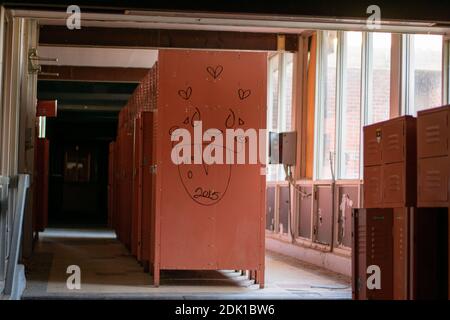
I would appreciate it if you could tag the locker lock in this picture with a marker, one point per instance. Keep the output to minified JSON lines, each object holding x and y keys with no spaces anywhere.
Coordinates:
{"x":378,"y":135}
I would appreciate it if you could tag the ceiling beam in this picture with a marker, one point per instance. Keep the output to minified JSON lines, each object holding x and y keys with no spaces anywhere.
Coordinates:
{"x":84,"y":96}
{"x":88,"y":108}
{"x":95,"y":74}
{"x":52,"y":35}
{"x":430,"y":10}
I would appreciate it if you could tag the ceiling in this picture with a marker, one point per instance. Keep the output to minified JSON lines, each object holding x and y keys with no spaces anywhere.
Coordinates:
{"x":99,"y":57}
{"x":107,"y":97}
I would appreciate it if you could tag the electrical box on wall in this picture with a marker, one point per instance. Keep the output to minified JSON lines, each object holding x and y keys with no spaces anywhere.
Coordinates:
{"x":282,"y":147}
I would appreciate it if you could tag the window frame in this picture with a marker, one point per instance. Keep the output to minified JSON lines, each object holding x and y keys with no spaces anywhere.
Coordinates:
{"x":281,"y":99}
{"x":320,"y":103}
{"x":366,"y":88}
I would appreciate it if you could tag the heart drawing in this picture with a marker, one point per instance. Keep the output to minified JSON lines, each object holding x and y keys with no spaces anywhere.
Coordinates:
{"x":185,"y":94}
{"x":244,"y":94}
{"x":215,"y":72}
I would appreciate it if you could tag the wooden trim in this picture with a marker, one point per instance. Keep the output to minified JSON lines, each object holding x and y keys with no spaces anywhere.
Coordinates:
{"x":84,"y":73}
{"x":309,"y":117}
{"x":298,"y":86}
{"x":304,"y":104}
{"x":52,"y":35}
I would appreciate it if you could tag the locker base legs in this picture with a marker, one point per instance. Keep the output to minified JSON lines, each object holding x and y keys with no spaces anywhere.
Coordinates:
{"x":156,"y":276}
{"x":146,"y":265}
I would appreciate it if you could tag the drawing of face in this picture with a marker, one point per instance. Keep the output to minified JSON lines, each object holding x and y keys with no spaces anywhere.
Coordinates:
{"x":207,"y":184}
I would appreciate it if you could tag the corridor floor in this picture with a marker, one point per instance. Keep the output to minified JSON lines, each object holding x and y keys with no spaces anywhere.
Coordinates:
{"x":108,"y":271}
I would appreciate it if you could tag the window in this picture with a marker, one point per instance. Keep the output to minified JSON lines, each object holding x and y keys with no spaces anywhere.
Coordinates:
{"x":378,"y":77}
{"x":349,"y":62}
{"x":350,"y":123}
{"x":279,"y":102}
{"x":327,"y":103}
{"x":424,"y":72}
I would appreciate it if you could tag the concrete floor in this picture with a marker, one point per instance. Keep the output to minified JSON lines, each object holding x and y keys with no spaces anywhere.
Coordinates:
{"x":108,"y":271}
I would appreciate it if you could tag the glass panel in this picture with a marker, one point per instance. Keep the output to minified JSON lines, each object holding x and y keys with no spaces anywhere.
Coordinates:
{"x":272,"y":122}
{"x":379,"y":77}
{"x":351,"y":106}
{"x":286,"y":124}
{"x":425,"y":72}
{"x":327,"y":80}
{"x":280,"y":105}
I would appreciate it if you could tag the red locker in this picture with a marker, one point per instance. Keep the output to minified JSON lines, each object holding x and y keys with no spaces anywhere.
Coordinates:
{"x":433,"y":136}
{"x":41,"y":175}
{"x":390,"y":162}
{"x":209,"y":233}
{"x":433,"y":192}
{"x":372,"y":245}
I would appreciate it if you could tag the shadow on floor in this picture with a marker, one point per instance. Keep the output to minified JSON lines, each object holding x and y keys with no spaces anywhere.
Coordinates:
{"x":108,"y":271}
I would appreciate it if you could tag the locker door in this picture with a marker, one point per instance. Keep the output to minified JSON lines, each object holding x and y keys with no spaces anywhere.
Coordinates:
{"x":147,"y":185}
{"x":373,"y":186}
{"x":433,"y":133}
{"x":372,"y":145}
{"x":137,"y":187}
{"x":393,"y":141}
{"x":372,"y":246}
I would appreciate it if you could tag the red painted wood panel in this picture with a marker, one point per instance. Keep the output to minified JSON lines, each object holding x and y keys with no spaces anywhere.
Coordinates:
{"x":42,"y":154}
{"x":224,"y":231}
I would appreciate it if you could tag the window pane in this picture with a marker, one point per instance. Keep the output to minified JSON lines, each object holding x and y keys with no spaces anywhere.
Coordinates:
{"x":351,"y":106}
{"x":286,"y":124}
{"x":379,"y":77}
{"x":280,"y":105}
{"x":425,"y":72}
{"x":327,"y":95}
{"x":272,"y":122}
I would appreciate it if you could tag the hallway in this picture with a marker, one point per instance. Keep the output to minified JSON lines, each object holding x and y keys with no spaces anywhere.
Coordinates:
{"x":108,"y":271}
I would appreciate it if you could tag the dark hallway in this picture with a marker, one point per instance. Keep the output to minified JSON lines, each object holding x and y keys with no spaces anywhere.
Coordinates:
{"x":78,"y":160}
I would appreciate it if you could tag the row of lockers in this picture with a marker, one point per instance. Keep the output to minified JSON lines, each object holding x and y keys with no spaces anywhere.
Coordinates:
{"x":406,"y":161}
{"x":404,"y":227}
{"x":129,"y":170}
{"x":191,"y":216}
